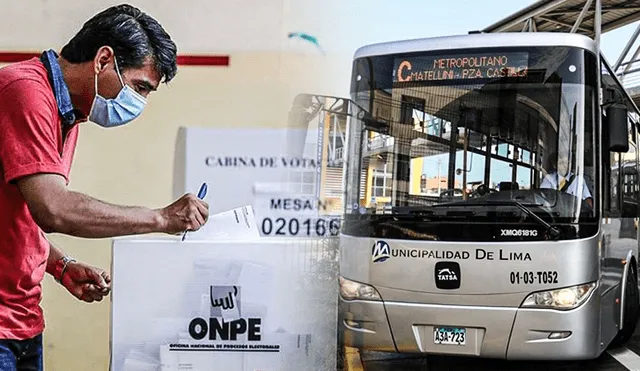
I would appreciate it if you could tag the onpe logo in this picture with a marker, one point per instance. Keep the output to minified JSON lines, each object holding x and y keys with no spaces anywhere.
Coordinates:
{"x":380,"y":252}
{"x":447,"y":275}
{"x":224,"y":298}
{"x":225,"y":320}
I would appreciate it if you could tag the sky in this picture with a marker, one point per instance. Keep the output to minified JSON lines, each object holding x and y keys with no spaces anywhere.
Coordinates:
{"x":342,"y":26}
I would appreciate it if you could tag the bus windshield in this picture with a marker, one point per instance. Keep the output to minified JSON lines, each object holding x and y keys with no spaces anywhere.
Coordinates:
{"x":475,"y":134}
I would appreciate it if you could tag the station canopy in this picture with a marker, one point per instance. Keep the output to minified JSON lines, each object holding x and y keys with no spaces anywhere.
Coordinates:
{"x":569,"y":16}
{"x":580,"y":16}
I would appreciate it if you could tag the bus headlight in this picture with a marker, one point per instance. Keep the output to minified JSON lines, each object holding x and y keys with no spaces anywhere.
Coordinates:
{"x":351,"y":290}
{"x":563,"y":299}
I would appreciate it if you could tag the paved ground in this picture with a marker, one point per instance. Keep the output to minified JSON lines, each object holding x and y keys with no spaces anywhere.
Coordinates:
{"x":622,"y":359}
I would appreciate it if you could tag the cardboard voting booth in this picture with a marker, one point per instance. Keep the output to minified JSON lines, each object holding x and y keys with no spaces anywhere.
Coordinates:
{"x":257,"y":167}
{"x":222,"y":305}
{"x":232,"y":161}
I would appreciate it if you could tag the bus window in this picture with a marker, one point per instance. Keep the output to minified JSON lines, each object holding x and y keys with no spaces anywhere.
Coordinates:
{"x":628,"y":181}
{"x":450,"y":142}
{"x":620,"y":170}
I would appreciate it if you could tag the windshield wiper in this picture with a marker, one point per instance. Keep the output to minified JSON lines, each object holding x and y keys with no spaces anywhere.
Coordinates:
{"x":428,"y":213}
{"x":553,"y":231}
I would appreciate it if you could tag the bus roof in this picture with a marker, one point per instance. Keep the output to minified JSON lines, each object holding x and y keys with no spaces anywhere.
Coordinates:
{"x":475,"y":40}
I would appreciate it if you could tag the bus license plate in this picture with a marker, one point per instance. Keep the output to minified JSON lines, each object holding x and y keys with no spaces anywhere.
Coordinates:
{"x":449,"y":335}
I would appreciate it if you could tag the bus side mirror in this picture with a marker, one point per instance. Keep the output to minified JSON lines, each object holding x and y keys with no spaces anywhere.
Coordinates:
{"x":618,"y":128}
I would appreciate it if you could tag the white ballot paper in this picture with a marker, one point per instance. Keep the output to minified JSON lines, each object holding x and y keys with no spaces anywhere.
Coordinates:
{"x":235,"y":224}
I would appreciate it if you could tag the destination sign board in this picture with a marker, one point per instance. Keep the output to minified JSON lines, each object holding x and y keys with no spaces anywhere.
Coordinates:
{"x":460,"y":67}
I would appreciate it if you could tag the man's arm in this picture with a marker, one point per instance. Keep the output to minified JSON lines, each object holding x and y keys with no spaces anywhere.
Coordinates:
{"x":55,"y":254}
{"x":586,"y":194}
{"x":30,"y":158}
{"x":589,"y":202}
{"x":56,"y":209}
{"x":83,"y":281}
{"x":546,"y":182}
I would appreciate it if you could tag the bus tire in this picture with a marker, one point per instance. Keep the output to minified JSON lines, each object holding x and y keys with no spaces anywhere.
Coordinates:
{"x":631,"y":310}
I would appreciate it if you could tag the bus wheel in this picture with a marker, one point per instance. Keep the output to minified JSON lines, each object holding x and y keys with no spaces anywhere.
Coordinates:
{"x":631,"y":310}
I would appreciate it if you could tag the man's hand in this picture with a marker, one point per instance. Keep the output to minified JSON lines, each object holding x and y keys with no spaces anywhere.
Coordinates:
{"x":86,"y":283}
{"x":188,"y":213}
{"x":58,"y":210}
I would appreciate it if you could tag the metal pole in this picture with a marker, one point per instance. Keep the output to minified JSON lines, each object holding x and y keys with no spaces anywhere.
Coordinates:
{"x":581,"y":16}
{"x":628,"y":72}
{"x":626,"y":49}
{"x":345,"y":158}
{"x":597,"y":24}
{"x":634,"y":57}
{"x":561,"y":23}
{"x":333,"y":151}
{"x":439,"y":182}
{"x":464,"y":164}
{"x":628,"y":66}
{"x":629,"y":62}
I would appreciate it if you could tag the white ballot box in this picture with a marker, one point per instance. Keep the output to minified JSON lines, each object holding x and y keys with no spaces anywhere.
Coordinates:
{"x":264,"y":304}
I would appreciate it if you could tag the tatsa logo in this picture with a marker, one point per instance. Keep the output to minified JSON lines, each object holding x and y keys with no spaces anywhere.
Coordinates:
{"x":447,"y":274}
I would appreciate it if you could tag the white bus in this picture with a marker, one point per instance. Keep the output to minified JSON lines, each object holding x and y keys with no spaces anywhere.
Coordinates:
{"x":530,"y":249}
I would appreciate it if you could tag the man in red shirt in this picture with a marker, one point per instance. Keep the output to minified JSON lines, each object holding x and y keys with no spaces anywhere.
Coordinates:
{"x":103,"y":75}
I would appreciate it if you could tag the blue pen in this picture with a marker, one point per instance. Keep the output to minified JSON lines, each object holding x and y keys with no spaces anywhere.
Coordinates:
{"x":201,"y":193}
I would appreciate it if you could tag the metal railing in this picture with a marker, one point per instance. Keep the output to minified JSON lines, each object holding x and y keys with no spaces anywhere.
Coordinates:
{"x":630,"y":79}
{"x":379,"y":142}
{"x":339,"y":154}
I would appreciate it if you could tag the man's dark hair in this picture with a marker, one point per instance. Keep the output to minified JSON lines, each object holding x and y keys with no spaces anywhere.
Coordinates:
{"x":133,"y":35}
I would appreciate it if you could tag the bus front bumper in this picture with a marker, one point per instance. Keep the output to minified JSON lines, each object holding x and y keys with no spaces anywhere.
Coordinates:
{"x":490,"y":332}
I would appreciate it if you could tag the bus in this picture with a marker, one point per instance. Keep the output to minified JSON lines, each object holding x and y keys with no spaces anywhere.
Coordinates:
{"x":529,"y":248}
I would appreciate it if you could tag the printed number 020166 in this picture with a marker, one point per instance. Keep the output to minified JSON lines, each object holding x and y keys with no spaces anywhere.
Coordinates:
{"x":300,"y":227}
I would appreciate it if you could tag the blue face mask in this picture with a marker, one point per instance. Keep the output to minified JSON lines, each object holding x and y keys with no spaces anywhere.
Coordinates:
{"x":124,"y":108}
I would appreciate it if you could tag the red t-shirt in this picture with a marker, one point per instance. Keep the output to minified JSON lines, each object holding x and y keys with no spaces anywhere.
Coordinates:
{"x":30,"y":142}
